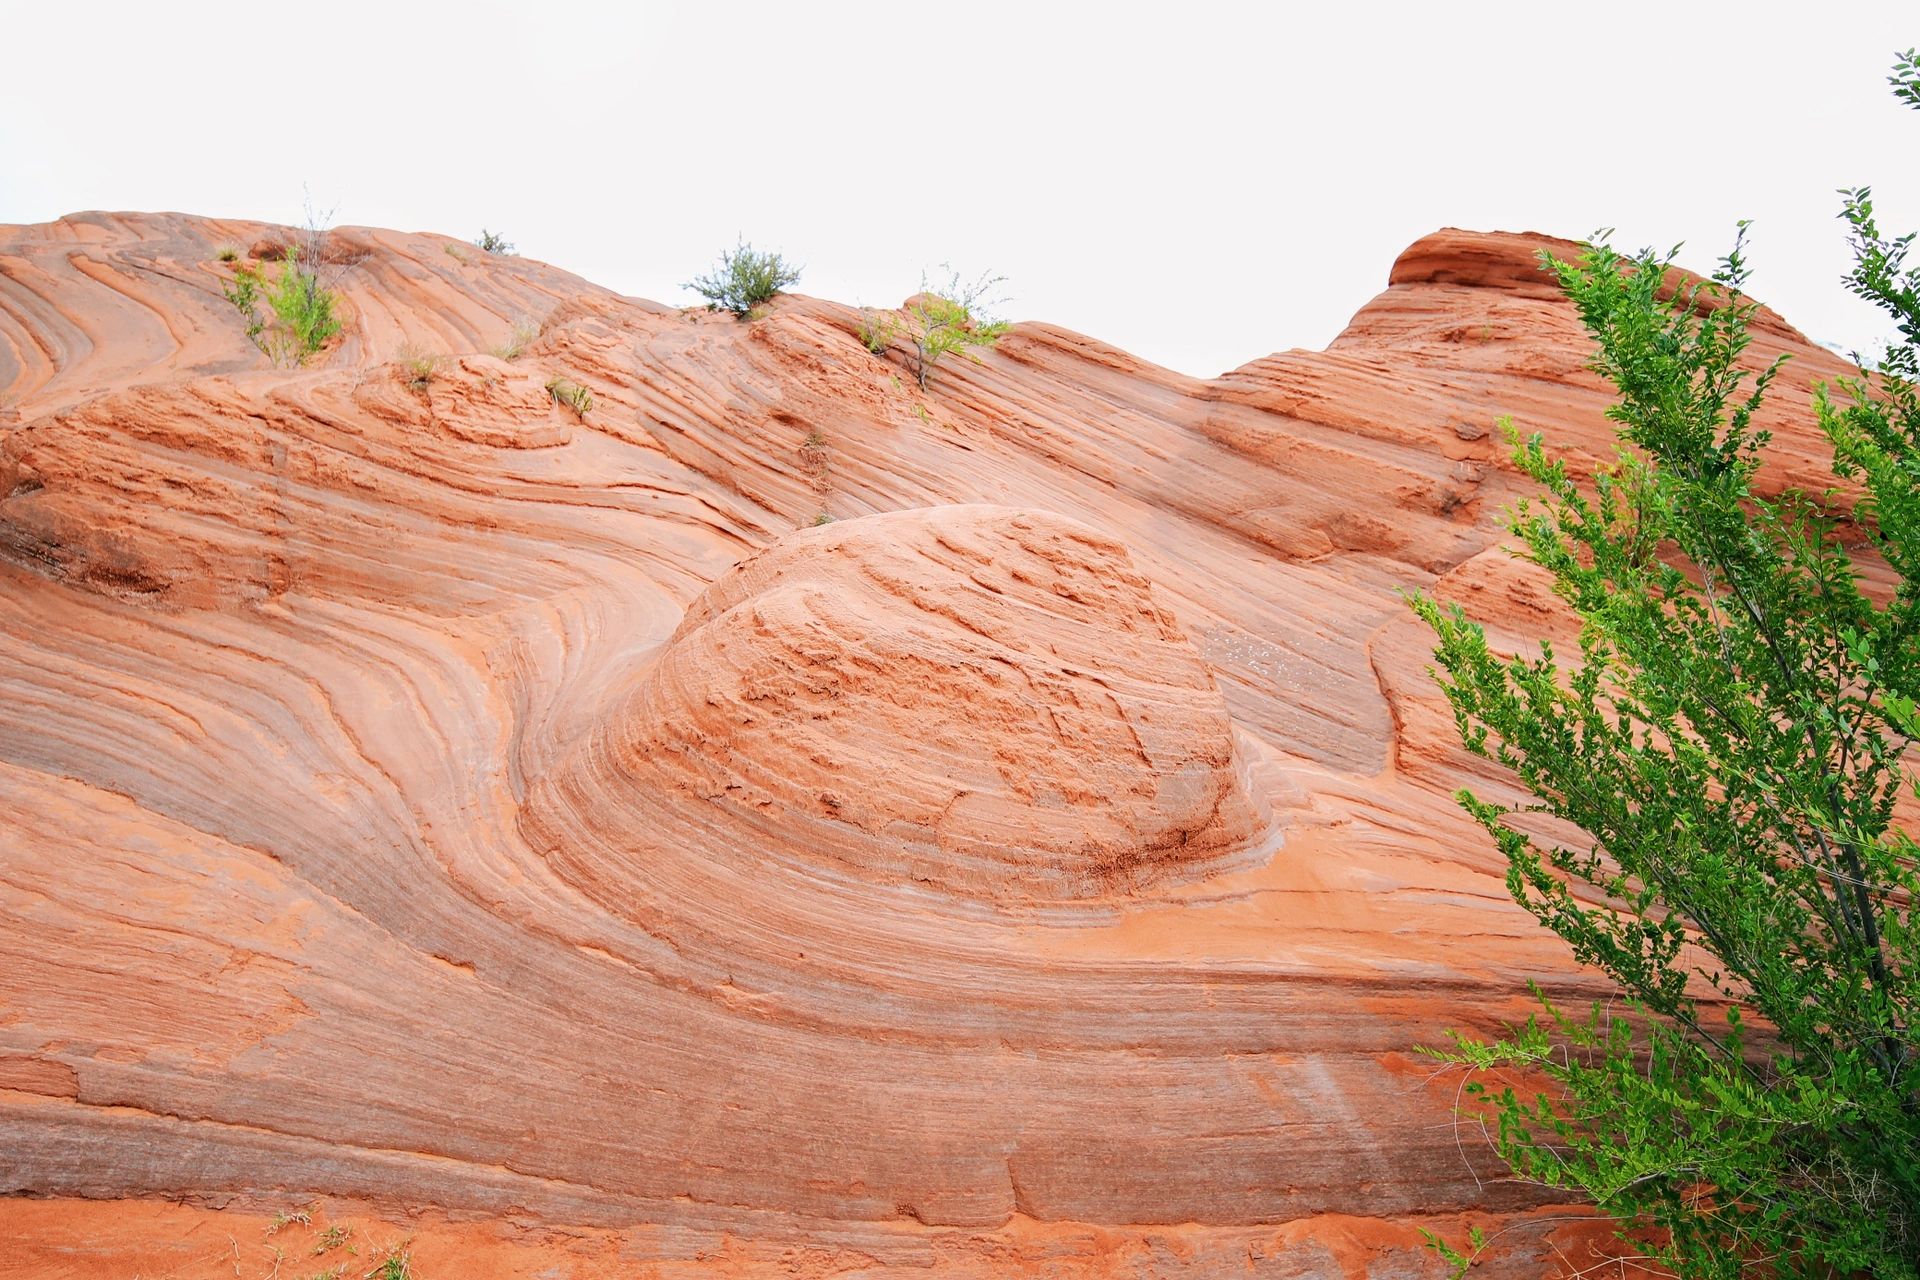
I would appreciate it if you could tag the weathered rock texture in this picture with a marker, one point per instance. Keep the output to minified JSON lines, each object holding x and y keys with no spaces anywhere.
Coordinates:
{"x":973,"y":700}
{"x":437,"y":803}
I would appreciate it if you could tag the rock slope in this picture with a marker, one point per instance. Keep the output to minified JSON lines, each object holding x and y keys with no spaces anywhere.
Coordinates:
{"x":528,"y":830}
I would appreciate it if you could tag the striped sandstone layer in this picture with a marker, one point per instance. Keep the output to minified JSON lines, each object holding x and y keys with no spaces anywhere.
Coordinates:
{"x":527,"y":830}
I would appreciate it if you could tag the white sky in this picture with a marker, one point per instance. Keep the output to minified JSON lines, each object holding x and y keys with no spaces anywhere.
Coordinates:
{"x":1198,"y":183}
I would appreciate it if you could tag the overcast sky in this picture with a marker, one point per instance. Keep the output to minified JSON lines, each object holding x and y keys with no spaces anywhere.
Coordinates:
{"x":1198,"y":183}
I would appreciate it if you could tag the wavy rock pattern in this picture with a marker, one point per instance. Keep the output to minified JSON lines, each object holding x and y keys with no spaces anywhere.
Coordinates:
{"x":973,"y":699}
{"x":430,"y":800}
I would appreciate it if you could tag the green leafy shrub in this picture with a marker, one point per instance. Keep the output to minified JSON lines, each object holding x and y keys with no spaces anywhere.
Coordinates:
{"x":571,"y":395}
{"x":302,"y":309}
{"x":744,"y":279}
{"x":493,"y":242}
{"x":1731,"y":737}
{"x":938,"y":322}
{"x":877,"y":331}
{"x":244,"y":291}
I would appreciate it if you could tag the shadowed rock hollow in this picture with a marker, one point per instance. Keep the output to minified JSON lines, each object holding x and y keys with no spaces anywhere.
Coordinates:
{"x":525,"y":829}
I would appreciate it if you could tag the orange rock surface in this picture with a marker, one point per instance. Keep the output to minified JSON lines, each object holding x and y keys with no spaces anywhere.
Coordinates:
{"x":526,"y":831}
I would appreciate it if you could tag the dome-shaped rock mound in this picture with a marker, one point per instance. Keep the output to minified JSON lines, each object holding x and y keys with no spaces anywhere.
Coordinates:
{"x":985,"y":700}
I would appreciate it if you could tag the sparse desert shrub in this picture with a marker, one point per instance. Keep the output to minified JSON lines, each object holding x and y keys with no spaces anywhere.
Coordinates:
{"x":228,"y":253}
{"x":419,"y":367}
{"x":493,"y":242}
{"x":396,"y":1263}
{"x":744,"y":279}
{"x":822,"y":518}
{"x":332,"y":1238}
{"x":524,"y":332}
{"x":877,"y":330}
{"x":953,"y":317}
{"x":243,"y":291}
{"x":306,"y":296}
{"x":458,"y":254}
{"x":294,"y":1217}
{"x":302,"y":308}
{"x":571,"y":395}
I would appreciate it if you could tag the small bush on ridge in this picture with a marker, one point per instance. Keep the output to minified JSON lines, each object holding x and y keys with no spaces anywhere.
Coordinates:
{"x":744,"y":279}
{"x":952,"y":318}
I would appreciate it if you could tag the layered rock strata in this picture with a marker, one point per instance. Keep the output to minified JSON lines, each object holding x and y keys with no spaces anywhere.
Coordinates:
{"x":423,"y":798}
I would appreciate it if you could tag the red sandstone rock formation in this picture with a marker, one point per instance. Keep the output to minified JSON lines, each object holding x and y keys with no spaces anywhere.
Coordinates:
{"x":432,"y":803}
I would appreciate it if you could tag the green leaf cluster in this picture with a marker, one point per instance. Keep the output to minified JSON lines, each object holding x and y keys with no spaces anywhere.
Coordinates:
{"x":939,"y":321}
{"x":303,"y":316}
{"x":1729,"y":737}
{"x":744,"y":279}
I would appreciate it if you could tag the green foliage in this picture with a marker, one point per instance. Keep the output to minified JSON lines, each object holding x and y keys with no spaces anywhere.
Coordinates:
{"x":877,"y":331}
{"x":397,"y":1265}
{"x":1730,"y":738}
{"x":1906,"y":78}
{"x":744,"y":279}
{"x":301,"y":308}
{"x":938,"y":322}
{"x":572,"y":395}
{"x":393,"y":1261}
{"x":244,"y":292}
{"x":493,"y":242}
{"x":1455,"y":1259}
